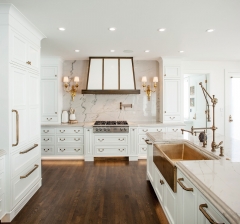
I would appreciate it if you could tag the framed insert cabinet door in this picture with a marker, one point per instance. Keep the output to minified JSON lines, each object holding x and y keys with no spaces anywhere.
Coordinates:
{"x":133,"y":141}
{"x":150,"y":163}
{"x":33,"y":56}
{"x":49,"y":72}
{"x":171,"y":97}
{"x":172,"y":72}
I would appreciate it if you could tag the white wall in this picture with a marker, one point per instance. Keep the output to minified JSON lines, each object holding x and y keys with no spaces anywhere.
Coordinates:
{"x":216,"y":69}
{"x":91,"y":107}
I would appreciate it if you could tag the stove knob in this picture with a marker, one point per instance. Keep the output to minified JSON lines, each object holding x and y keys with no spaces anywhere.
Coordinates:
{"x":120,"y":129}
{"x":104,"y":129}
{"x":100,"y":129}
{"x":125,"y":129}
{"x":108,"y":129}
{"x":96,"y":129}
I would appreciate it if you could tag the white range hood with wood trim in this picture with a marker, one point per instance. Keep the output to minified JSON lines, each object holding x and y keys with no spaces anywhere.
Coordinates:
{"x":111,"y":75}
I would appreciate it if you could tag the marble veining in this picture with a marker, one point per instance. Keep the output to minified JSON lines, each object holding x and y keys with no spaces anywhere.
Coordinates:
{"x":218,"y":180}
{"x":91,"y":107}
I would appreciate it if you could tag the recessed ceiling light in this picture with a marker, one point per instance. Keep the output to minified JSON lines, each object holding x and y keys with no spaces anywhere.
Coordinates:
{"x":77,"y":50}
{"x":112,"y":28}
{"x":181,"y":51}
{"x":162,"y":29}
{"x":61,"y":28}
{"x":112,"y":50}
{"x":210,"y":30}
{"x":146,"y":51}
{"x":128,"y":51}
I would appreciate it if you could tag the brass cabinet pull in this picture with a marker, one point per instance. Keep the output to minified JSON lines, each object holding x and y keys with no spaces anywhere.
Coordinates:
{"x":62,"y":139}
{"x":35,"y":167}
{"x":29,"y":62}
{"x":195,"y":117}
{"x":77,"y":139}
{"x":165,"y":75}
{"x":77,"y":150}
{"x":182,"y":185}
{"x":160,"y":130}
{"x":161,"y":182}
{"x":145,"y":130}
{"x":133,"y":129}
{"x":201,"y":208}
{"x":49,"y":119}
{"x":144,"y":149}
{"x":45,"y":131}
{"x":230,"y":118}
{"x":62,"y":150}
{"x":55,"y":112}
{"x":147,"y":141}
{"x":171,"y":118}
{"x":62,"y":131}
{"x":121,"y":150}
{"x":121,"y":139}
{"x":46,"y":150}
{"x":100,"y":150}
{"x":35,"y":145}
{"x":46,"y":139}
{"x":165,"y":112}
{"x":175,"y":130}
{"x":101,"y":139}
{"x":17,"y":127}
{"x":76,"y":131}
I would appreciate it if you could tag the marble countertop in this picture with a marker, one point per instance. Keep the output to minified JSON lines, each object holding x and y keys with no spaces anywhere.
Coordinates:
{"x":218,"y":180}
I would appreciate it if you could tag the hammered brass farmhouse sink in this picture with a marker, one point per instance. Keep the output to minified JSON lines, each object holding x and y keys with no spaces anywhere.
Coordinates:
{"x":166,"y":155}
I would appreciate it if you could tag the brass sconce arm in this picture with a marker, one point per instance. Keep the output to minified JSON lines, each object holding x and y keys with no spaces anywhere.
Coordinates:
{"x":71,"y":89}
{"x":146,"y":88}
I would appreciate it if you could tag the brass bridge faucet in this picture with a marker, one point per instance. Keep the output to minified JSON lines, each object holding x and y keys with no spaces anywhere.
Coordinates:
{"x":214,"y":101}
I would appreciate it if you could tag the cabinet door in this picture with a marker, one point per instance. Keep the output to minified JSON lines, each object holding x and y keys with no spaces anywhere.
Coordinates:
{"x":133,"y":142}
{"x":33,"y":57}
{"x":88,"y":141}
{"x":171,"y":97}
{"x":20,"y":104}
{"x":49,"y":98}
{"x":49,"y":72}
{"x":150,"y":162}
{"x":172,"y":72}
{"x":18,"y":49}
{"x":186,"y":200}
{"x":159,"y":184}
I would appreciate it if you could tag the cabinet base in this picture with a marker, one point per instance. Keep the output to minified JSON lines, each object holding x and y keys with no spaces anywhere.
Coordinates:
{"x":9,"y":216}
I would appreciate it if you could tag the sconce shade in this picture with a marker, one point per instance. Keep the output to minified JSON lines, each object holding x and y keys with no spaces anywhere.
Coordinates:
{"x":144,"y":79}
{"x":155,"y":79}
{"x":65,"y":79}
{"x":76,"y":79}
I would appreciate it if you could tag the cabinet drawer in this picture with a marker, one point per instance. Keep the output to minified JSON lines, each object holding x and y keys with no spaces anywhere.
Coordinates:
{"x":141,"y":139}
{"x":48,"y":140}
{"x":2,"y":206}
{"x":49,"y":119}
{"x":70,"y":139}
{"x":172,"y":118}
{"x":48,"y":150}
{"x":47,"y":131}
{"x":121,"y":139}
{"x":70,"y":131}
{"x":142,"y":149}
{"x":145,"y":130}
{"x":21,"y":159}
{"x":111,"y":150}
{"x":24,"y":181}
{"x":174,"y":129}
{"x":78,"y":150}
{"x":1,"y":164}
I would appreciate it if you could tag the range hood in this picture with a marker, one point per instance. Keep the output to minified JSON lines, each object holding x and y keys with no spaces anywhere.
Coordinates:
{"x":111,"y":75}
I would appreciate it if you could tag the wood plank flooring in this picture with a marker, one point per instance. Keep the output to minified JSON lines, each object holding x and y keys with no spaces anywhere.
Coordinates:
{"x":113,"y":192}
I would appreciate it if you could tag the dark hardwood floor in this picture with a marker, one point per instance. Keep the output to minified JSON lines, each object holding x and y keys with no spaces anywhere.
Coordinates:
{"x":93,"y":192}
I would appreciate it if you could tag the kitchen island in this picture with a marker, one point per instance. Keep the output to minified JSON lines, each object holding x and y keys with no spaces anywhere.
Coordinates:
{"x":217,"y":180}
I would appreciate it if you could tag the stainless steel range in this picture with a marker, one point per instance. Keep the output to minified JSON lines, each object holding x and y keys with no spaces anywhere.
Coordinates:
{"x":111,"y":127}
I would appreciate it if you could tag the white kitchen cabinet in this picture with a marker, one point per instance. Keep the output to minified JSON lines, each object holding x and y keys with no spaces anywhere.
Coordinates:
{"x":159,"y":185}
{"x":175,"y":129}
{"x":150,"y":165}
{"x":88,"y":144}
{"x":172,"y":72}
{"x":133,"y":150}
{"x":2,"y":187}
{"x":51,"y":90}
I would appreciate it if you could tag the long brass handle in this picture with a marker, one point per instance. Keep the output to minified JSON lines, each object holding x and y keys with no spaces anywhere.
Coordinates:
{"x":100,"y":150}
{"x":161,"y":182}
{"x":46,"y":150}
{"x":45,"y":131}
{"x":49,"y":119}
{"x":209,"y":218}
{"x":121,"y":139}
{"x":76,"y":131}
{"x":35,"y":167}
{"x":62,"y":139}
{"x":182,"y":185}
{"x":62,"y":150}
{"x":195,"y":117}
{"x":146,"y":140}
{"x":230,"y":118}
{"x":121,"y":150}
{"x":17,"y":127}
{"x":35,"y":145}
{"x":62,"y":131}
{"x":145,"y":130}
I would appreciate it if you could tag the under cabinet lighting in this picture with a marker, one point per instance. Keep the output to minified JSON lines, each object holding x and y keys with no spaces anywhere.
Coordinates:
{"x":61,"y":28}
{"x":146,"y":88}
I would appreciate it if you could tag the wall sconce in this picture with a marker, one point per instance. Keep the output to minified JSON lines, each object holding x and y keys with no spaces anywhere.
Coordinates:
{"x":71,"y":89}
{"x":148,"y":90}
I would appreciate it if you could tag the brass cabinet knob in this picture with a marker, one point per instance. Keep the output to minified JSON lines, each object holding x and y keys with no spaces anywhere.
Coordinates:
{"x":29,"y":62}
{"x":161,"y":182}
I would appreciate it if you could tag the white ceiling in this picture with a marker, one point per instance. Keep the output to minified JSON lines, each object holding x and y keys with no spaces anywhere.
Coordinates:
{"x":137,"y":23}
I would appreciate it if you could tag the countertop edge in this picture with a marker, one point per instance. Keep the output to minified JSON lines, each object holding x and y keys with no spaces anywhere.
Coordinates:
{"x":223,"y":208}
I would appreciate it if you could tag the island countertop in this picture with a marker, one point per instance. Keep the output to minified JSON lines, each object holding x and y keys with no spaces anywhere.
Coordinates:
{"x":218,"y":180}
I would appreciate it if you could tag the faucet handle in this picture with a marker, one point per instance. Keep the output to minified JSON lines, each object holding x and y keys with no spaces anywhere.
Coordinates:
{"x":221,"y":151}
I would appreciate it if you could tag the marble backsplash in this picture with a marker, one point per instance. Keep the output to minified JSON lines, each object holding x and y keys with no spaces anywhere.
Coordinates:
{"x":91,"y":107}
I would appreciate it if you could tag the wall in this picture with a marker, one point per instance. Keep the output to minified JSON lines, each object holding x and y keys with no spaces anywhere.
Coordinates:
{"x":91,"y":107}
{"x":216,"y":71}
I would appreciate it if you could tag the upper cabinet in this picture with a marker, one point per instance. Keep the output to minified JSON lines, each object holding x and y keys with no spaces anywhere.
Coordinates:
{"x":172,"y":72}
{"x":23,"y":52}
{"x":49,"y":72}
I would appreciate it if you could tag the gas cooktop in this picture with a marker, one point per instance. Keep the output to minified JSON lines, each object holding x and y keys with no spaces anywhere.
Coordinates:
{"x":110,"y":127}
